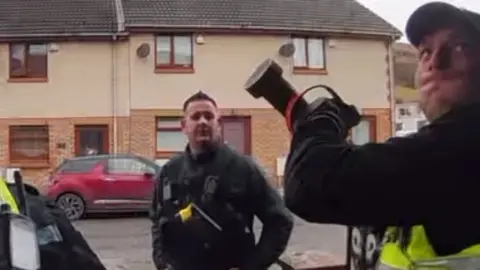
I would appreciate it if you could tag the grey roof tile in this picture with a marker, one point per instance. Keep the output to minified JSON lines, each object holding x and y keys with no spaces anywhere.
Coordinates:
{"x":296,"y":15}
{"x":47,"y":17}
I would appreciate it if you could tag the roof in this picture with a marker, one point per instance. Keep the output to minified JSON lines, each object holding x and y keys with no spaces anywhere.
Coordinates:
{"x":39,"y":18}
{"x":57,"y":17}
{"x":323,"y":16}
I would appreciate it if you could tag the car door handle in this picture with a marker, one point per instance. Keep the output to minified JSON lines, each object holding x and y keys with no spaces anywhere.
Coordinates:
{"x":109,"y":179}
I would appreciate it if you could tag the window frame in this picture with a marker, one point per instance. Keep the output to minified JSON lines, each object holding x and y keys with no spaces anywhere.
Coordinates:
{"x":103,"y":128}
{"x":172,"y":67}
{"x":16,"y":158}
{"x":166,"y":153}
{"x":307,"y":68}
{"x":26,"y":75}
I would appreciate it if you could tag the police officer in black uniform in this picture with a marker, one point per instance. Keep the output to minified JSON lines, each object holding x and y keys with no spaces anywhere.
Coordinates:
{"x":222,"y":190}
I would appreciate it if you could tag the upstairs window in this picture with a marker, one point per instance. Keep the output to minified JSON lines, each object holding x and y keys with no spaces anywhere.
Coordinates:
{"x":174,"y":52}
{"x":309,"y":54}
{"x":28,"y":61}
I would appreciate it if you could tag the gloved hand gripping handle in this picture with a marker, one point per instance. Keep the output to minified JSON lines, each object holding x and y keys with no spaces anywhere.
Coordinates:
{"x":267,"y":82}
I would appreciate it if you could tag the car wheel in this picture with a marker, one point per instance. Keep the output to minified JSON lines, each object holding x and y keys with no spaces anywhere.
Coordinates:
{"x":72,"y":204}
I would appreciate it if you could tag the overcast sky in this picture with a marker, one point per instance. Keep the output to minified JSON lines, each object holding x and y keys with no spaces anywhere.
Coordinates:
{"x":397,"y":11}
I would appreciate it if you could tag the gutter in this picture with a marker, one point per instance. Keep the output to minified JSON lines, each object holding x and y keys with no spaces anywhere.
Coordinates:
{"x":282,"y":29}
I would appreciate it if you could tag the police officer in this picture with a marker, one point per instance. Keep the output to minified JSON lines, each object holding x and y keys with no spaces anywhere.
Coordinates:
{"x":205,"y":201}
{"x":61,"y":245}
{"x":424,"y":186}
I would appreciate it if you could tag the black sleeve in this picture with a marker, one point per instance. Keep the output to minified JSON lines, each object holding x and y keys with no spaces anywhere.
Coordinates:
{"x":155,"y":216}
{"x":400,"y":182}
{"x":276,"y":219}
{"x":85,"y":257}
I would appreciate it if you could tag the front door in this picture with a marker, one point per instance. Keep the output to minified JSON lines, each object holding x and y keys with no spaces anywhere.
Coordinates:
{"x":91,"y":140}
{"x":236,"y":133}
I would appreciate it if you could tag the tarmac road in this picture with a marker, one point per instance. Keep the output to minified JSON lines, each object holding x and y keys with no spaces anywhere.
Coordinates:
{"x":124,"y":242}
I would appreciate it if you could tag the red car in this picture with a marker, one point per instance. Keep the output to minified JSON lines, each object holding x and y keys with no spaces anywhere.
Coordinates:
{"x":103,"y":183}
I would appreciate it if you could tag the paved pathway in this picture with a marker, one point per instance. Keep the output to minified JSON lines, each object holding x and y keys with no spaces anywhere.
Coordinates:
{"x":124,"y":243}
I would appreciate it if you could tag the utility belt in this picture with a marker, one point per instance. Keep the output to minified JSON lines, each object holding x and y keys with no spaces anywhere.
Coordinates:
{"x":202,"y":228}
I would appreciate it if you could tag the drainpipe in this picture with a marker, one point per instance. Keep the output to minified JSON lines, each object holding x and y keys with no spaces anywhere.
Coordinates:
{"x":113,"y":94}
{"x":129,"y":99}
{"x":120,"y":29}
{"x":391,"y":86}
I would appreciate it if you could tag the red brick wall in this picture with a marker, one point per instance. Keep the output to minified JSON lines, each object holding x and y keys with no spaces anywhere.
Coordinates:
{"x":61,"y":130}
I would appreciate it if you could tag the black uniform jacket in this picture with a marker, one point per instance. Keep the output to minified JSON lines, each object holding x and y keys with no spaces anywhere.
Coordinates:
{"x":247,"y":190}
{"x":429,"y":178}
{"x":61,"y":245}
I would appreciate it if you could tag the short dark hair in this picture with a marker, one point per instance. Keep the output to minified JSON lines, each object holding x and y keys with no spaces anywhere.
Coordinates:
{"x":200,"y":95}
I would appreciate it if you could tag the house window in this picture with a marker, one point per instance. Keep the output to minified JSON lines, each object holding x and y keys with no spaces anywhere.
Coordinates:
{"x":174,"y":52}
{"x":28,"y":60}
{"x":309,"y":53}
{"x":91,"y":140}
{"x":169,"y":135}
{"x":29,"y":143}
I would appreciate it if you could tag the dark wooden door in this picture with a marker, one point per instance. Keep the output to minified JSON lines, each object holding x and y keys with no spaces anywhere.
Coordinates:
{"x":91,"y":140}
{"x":236,"y":133}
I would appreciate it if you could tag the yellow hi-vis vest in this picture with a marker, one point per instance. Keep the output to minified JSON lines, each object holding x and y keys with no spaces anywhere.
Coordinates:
{"x":419,"y":254}
{"x":7,"y":197}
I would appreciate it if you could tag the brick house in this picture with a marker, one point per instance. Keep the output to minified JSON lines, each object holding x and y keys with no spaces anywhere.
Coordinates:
{"x":109,"y":76}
